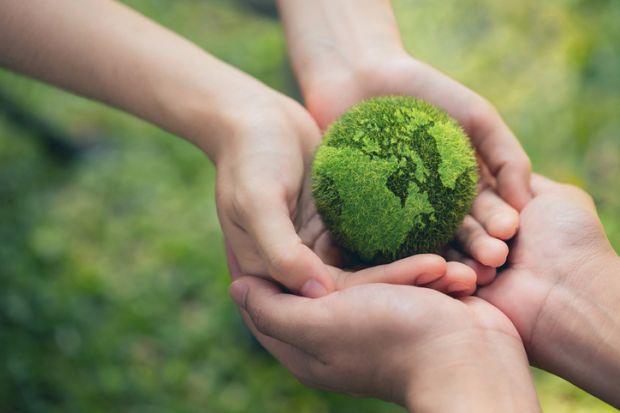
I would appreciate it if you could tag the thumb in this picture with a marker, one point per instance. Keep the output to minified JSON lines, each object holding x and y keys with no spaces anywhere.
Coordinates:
{"x":288,"y":260}
{"x":262,"y":301}
{"x":502,"y":154}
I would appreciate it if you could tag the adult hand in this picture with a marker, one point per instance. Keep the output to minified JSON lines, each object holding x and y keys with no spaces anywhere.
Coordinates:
{"x":405,"y":344}
{"x":561,"y":289}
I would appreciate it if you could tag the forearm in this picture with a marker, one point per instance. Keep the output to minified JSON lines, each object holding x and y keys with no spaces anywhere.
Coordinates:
{"x":327,"y":35}
{"x":577,"y":335}
{"x":490,"y":374}
{"x":103,"y":50}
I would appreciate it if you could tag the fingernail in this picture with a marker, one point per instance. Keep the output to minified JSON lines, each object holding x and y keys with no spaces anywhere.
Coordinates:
{"x":313,"y":289}
{"x":238,"y":291}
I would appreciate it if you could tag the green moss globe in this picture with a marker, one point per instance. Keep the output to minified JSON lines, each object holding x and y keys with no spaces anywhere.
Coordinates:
{"x":394,"y":176}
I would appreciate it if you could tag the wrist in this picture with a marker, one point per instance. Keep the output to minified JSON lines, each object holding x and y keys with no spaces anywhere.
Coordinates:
{"x":211,"y":114}
{"x":578,"y":332}
{"x":339,"y":39}
{"x":487,"y":371}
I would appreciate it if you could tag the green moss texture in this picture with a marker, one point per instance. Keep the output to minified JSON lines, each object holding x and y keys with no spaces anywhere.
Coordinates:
{"x":394,"y":176}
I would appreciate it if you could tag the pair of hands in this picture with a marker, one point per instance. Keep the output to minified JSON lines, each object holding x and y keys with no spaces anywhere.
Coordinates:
{"x":388,"y":340}
{"x":391,"y":341}
{"x":366,"y":339}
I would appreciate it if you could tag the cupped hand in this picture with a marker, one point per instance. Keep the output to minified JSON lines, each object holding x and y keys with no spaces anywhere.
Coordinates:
{"x":403,"y":344}
{"x":270,"y":222}
{"x":561,"y":247}
{"x":332,"y":92}
{"x":504,"y":165}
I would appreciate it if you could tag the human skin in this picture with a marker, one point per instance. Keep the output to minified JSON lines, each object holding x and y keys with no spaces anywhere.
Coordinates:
{"x":561,"y":289}
{"x":405,"y":344}
{"x":346,"y":51}
{"x":560,"y":292}
{"x":260,"y":141}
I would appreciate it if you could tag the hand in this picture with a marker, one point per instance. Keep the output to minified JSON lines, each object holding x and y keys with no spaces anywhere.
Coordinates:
{"x":503,"y":162}
{"x":261,"y":141}
{"x":260,"y":176}
{"x":332,"y":92}
{"x":268,"y":216}
{"x":409,"y":345}
{"x":347,"y":51}
{"x":561,"y":289}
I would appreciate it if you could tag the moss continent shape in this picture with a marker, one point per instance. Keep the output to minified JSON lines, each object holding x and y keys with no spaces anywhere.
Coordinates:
{"x":394,"y":176}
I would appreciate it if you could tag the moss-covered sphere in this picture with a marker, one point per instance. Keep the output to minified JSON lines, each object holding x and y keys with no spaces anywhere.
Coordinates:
{"x":394,"y":176}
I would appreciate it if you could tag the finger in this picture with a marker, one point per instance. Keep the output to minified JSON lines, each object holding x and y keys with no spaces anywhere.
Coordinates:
{"x":502,"y":154}
{"x":484,"y":274}
{"x":499,"y":219}
{"x":415,"y":270}
{"x":479,"y":245}
{"x":292,"y":319}
{"x":296,"y":360}
{"x":460,"y":280}
{"x":288,"y":260}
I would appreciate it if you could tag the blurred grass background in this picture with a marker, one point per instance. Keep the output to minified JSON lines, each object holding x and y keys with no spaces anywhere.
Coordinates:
{"x":113,"y":284}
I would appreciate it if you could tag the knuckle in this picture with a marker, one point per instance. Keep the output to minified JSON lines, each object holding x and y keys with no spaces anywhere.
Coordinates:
{"x":261,"y":322}
{"x":246,"y":198}
{"x":283,"y":260}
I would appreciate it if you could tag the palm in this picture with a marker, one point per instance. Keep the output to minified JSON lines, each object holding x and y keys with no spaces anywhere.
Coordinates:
{"x":312,"y":231}
{"x":326,"y":342}
{"x":558,"y":230}
{"x":263,"y":179}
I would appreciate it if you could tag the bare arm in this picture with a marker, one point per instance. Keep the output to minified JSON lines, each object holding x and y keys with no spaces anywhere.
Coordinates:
{"x":260,"y":140}
{"x":577,"y":335}
{"x":103,"y":50}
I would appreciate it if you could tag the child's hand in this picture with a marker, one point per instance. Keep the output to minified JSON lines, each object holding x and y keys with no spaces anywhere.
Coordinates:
{"x":266,"y":209}
{"x":260,"y":180}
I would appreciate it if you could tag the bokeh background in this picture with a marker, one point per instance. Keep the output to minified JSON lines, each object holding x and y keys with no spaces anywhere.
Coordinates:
{"x":113,"y":284}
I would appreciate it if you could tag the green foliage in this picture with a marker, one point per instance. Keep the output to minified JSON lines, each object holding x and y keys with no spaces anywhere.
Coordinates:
{"x":395,"y":176}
